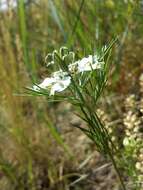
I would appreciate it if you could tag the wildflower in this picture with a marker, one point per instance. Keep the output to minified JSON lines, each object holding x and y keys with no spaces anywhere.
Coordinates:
{"x":57,"y":83}
{"x":46,"y":83}
{"x":68,"y":57}
{"x":60,"y":80}
{"x":86,"y":64}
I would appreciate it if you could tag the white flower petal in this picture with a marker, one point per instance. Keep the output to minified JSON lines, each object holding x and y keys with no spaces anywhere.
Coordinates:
{"x":57,"y":83}
{"x":57,"y":87}
{"x":60,"y":85}
{"x":86,"y":64}
{"x":46,"y":83}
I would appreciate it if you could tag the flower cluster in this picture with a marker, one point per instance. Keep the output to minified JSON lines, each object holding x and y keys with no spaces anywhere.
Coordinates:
{"x":133,"y":122}
{"x":61,"y":79}
{"x":108,"y":123}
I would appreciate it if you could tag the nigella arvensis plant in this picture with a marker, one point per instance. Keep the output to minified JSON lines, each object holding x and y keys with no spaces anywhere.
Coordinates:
{"x":80,"y":82}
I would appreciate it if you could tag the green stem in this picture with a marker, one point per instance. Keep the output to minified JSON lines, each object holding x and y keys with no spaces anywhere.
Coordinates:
{"x":117,"y":171}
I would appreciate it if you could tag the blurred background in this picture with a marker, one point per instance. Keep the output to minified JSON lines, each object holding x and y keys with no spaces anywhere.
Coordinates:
{"x":40,"y":148}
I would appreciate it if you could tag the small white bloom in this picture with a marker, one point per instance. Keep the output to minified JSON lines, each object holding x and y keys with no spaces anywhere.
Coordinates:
{"x":45,"y":84}
{"x":62,"y":82}
{"x":86,"y":64}
{"x":57,"y":83}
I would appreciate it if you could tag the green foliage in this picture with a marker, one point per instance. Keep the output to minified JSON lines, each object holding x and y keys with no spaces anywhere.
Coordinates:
{"x":84,"y":91}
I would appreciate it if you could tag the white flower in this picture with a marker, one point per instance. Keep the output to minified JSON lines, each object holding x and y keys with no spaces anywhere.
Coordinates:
{"x":57,"y":83}
{"x":62,"y":81}
{"x":47,"y":82}
{"x":86,"y":64}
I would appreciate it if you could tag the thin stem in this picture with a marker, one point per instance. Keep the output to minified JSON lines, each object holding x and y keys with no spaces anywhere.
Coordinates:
{"x":117,"y":171}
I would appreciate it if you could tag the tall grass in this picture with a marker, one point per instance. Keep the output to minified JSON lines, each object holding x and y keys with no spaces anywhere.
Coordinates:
{"x":21,"y":130}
